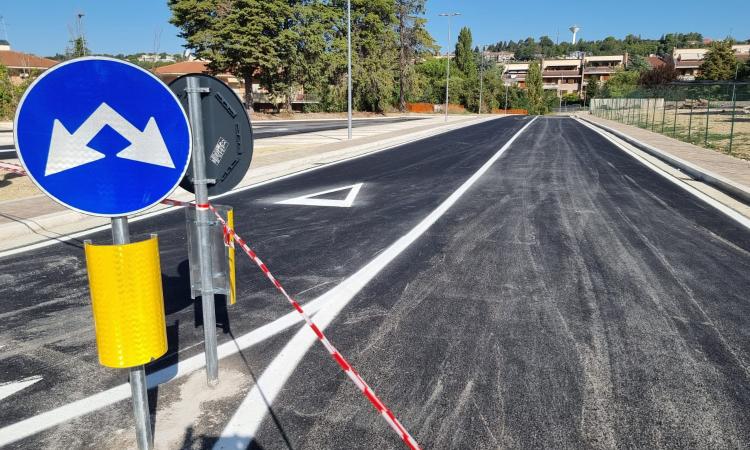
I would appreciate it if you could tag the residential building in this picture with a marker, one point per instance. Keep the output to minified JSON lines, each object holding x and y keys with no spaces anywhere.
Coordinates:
{"x":687,"y":61}
{"x":515,"y":73}
{"x":567,"y":75}
{"x":562,"y":75}
{"x":155,"y":58}
{"x":498,"y":57}
{"x":22,"y":65}
{"x":262,"y":100}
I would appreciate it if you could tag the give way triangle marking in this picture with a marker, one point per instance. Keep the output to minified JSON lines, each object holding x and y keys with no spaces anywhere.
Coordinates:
{"x":10,"y":388}
{"x":310,"y":200}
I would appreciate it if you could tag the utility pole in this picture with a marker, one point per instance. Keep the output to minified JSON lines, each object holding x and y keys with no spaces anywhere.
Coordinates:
{"x":481,"y":79}
{"x":448,"y":60}
{"x":349,"y":65}
{"x":506,"y":98}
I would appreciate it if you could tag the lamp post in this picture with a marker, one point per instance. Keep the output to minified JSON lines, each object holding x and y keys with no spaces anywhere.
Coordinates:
{"x":481,"y":78}
{"x":349,"y":66}
{"x":448,"y":59}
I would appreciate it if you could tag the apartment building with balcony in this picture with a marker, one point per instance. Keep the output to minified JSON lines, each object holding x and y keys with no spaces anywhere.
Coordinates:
{"x":567,"y":75}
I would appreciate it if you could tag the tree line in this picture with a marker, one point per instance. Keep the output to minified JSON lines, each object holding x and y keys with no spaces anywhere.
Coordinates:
{"x":545,"y":47}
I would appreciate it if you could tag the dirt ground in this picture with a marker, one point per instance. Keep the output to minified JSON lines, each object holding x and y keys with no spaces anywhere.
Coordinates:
{"x":690,"y":126}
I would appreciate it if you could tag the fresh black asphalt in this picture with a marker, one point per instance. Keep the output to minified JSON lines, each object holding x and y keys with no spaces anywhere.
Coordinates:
{"x":572,"y":298}
{"x":273,"y":128}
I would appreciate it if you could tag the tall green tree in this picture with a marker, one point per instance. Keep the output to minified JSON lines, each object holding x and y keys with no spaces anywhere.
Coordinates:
{"x":413,"y":42}
{"x":535,"y":90}
{"x":719,"y":62}
{"x":465,"y":55}
{"x":244,"y":37}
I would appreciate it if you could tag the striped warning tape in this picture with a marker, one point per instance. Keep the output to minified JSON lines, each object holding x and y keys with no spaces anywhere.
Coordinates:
{"x":366,"y":390}
{"x":230,"y":237}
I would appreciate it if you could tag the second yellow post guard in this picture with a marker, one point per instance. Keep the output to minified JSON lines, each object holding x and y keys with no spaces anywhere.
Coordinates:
{"x":128,"y":302}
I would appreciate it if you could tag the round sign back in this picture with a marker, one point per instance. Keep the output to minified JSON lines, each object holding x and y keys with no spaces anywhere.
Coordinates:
{"x":227,"y":134}
{"x":102,"y":136}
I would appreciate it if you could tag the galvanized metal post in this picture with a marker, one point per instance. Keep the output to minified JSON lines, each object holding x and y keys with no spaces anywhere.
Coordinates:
{"x":663,"y":113}
{"x":674,"y":127}
{"x":203,"y":219}
{"x":734,"y":111}
{"x":653,"y":117}
{"x":708,"y":111}
{"x":349,"y":66}
{"x":138,"y":387}
{"x":506,"y":99}
{"x":481,"y":80}
{"x":448,"y":71}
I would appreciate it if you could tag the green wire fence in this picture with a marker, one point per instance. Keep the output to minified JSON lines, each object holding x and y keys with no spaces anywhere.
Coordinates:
{"x":714,"y":115}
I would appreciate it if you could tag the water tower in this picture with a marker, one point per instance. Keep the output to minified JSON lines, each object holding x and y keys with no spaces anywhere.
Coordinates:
{"x":574,"y":29}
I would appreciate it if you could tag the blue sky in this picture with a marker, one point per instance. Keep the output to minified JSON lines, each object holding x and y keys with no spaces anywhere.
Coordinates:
{"x":130,"y":26}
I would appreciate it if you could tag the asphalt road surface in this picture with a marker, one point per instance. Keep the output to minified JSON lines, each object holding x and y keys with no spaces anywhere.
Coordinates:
{"x":268,"y":129}
{"x":273,"y":128}
{"x":570,"y":298}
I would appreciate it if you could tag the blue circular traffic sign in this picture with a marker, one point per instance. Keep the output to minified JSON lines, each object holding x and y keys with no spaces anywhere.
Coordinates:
{"x":102,"y":136}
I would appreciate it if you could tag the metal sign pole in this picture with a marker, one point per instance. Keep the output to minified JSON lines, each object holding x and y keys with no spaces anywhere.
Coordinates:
{"x":349,"y":68}
{"x":203,"y":219}
{"x":121,"y":236}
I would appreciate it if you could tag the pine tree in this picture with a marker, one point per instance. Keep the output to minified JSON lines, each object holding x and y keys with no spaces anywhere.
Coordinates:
{"x":244,"y":37}
{"x":719,"y":62}
{"x":535,"y":90}
{"x":465,"y":56}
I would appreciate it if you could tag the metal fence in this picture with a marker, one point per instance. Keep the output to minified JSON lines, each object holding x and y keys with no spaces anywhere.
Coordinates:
{"x":711,"y":115}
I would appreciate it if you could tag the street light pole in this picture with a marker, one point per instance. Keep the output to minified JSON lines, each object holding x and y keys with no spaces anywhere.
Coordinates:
{"x":506,"y":98}
{"x":481,"y":79}
{"x":349,"y":65}
{"x":448,"y":59}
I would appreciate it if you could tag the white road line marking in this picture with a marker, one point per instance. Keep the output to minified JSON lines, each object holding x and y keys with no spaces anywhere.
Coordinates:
{"x":32,"y":425}
{"x":246,"y":421}
{"x":310,"y":200}
{"x":68,"y":237}
{"x":10,"y":388}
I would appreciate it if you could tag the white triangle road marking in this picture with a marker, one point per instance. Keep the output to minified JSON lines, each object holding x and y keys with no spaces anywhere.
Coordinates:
{"x":10,"y":388}
{"x":309,"y":200}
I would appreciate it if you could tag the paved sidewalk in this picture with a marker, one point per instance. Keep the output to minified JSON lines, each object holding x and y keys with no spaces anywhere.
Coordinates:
{"x":730,"y":168}
{"x":37,"y":218}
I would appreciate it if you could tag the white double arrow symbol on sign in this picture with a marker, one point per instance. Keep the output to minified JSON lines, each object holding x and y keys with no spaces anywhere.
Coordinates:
{"x":69,"y":150}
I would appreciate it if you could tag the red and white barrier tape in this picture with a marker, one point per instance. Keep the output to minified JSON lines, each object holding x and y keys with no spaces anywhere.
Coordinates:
{"x":14,"y":168}
{"x":366,"y":390}
{"x":230,"y":237}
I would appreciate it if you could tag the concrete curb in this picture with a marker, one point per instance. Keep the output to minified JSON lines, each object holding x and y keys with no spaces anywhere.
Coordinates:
{"x":737,"y":190}
{"x":62,"y":225}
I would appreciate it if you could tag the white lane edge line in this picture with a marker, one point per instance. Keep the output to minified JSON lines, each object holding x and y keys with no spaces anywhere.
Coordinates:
{"x":40,"y":422}
{"x":248,"y":417}
{"x":721,"y":207}
{"x":48,"y":419}
{"x":68,"y":237}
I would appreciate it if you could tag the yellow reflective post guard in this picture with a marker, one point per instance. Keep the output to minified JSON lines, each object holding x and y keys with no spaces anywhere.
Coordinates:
{"x":128,"y":302}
